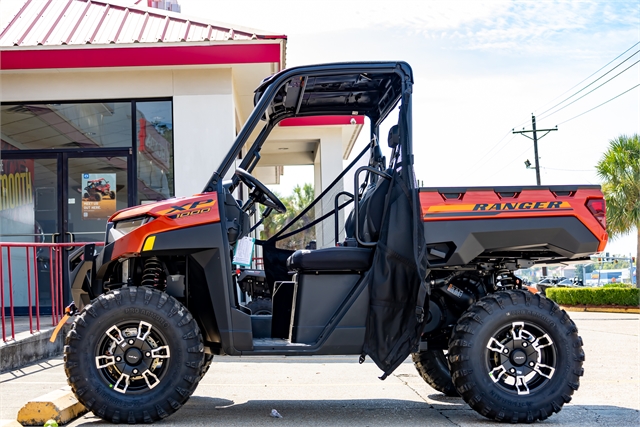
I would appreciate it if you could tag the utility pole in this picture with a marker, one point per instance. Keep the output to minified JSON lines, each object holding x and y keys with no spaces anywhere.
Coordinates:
{"x":535,"y":131}
{"x":535,"y":142}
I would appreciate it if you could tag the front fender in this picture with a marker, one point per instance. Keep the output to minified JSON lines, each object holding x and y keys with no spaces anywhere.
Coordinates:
{"x":81,"y":268}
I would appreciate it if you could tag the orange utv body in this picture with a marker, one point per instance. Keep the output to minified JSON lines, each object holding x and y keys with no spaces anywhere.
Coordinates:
{"x":471,"y":225}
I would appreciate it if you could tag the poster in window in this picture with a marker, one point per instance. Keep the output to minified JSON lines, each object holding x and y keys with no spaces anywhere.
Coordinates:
{"x":98,"y":195}
{"x":17,"y":210}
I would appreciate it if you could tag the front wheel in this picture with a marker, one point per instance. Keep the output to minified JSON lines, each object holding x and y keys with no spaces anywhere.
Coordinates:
{"x":133,"y":355}
{"x":516,"y":357}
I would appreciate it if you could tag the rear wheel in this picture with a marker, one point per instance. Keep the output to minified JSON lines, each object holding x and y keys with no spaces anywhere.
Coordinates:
{"x":516,"y":357}
{"x":260,"y":307}
{"x":134,"y":355}
{"x":434,"y":369}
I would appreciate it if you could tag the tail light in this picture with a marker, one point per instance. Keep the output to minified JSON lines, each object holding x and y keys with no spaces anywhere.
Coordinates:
{"x":598,"y":209}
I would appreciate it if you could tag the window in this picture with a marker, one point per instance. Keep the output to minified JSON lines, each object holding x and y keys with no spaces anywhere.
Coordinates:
{"x":154,"y":131}
{"x":145,"y":127}
{"x":76,"y":125}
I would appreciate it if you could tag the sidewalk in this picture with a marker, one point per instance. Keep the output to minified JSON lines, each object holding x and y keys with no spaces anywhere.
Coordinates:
{"x":21,"y":324}
{"x":27,"y":347}
{"x":19,"y":386}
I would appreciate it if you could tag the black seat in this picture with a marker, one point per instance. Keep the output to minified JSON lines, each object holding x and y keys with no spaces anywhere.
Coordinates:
{"x":372,"y":201}
{"x":341,"y":258}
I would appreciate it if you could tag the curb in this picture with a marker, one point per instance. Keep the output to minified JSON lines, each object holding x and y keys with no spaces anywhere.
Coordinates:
{"x":60,"y":405}
{"x":633,"y":310}
{"x":30,"y":348}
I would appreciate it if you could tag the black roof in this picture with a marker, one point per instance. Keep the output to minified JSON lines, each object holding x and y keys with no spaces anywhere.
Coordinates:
{"x":352,"y":88}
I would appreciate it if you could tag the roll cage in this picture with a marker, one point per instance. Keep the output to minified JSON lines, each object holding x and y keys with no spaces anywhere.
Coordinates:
{"x":370,"y":89}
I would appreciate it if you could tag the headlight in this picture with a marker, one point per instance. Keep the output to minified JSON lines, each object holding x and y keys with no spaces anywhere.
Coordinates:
{"x":122,"y":228}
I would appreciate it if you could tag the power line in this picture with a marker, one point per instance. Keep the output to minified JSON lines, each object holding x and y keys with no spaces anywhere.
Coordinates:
{"x":511,"y":162}
{"x":568,"y":98}
{"x":478,"y":162}
{"x":597,"y":87}
{"x":587,"y":78}
{"x":617,"y":96}
{"x":576,"y":85}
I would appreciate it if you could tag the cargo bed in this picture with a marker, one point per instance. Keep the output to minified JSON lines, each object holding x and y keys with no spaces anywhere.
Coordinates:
{"x":470,"y":225}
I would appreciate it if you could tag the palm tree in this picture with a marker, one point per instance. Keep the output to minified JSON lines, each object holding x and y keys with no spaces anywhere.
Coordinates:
{"x":295,"y":203}
{"x":619,"y":169}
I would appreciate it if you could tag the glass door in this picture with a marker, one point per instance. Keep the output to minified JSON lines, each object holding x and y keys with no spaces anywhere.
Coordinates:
{"x":29,"y":213}
{"x":96,"y":187}
{"x":57,"y":196}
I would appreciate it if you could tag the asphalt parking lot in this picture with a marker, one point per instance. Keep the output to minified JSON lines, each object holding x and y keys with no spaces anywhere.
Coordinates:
{"x":337,"y":391}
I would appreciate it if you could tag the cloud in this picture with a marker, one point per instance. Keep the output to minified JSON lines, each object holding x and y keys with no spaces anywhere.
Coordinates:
{"x":528,"y":25}
{"x":463,"y":25}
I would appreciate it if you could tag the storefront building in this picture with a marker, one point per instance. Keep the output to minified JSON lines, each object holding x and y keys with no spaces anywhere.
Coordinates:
{"x":110,"y":104}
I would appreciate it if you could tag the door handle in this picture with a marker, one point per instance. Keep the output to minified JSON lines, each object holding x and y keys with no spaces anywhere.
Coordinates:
{"x":72,"y":239}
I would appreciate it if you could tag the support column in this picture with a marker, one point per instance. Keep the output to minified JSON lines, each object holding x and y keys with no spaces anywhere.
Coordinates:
{"x":327,"y":166}
{"x":204,"y":125}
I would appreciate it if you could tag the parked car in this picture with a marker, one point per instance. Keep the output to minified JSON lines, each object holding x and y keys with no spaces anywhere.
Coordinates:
{"x":570,"y":283}
{"x":556,"y":282}
{"x":545,"y":283}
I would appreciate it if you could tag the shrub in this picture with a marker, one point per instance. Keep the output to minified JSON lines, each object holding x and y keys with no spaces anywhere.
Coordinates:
{"x":617,"y":285}
{"x":623,"y":296}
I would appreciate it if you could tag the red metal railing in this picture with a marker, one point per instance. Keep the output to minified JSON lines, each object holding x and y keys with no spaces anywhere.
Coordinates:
{"x":34,"y":255}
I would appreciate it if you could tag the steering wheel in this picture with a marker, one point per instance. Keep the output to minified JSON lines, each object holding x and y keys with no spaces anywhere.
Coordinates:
{"x":259,"y":192}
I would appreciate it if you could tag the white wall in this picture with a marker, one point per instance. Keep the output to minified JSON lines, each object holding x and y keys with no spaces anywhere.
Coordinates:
{"x":204,"y":125}
{"x":203,"y":132}
{"x":61,"y":85}
{"x":327,"y":166}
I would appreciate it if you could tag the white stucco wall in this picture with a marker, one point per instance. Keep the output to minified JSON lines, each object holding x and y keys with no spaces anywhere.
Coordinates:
{"x":327,"y":166}
{"x":204,"y":125}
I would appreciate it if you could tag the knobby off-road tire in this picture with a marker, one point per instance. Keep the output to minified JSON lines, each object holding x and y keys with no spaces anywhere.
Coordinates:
{"x":260,"y":307}
{"x":516,"y":357}
{"x":206,"y":364}
{"x":134,"y":355}
{"x":433,"y":368}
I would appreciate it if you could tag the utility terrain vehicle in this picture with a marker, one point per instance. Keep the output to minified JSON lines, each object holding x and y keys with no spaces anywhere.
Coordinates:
{"x":427,"y":271}
{"x":96,"y":189}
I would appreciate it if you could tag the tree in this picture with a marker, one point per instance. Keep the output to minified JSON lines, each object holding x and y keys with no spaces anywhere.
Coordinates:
{"x":580,"y":273}
{"x":619,"y":169}
{"x":295,"y":203}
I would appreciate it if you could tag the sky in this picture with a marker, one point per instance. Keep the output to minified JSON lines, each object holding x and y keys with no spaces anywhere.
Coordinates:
{"x":480,"y":70}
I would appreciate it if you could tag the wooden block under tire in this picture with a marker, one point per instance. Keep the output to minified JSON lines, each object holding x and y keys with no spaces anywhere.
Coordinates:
{"x":60,"y":405}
